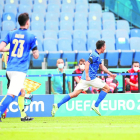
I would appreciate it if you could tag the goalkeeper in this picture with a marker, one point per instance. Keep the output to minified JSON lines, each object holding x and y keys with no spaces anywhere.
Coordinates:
{"x":21,"y":96}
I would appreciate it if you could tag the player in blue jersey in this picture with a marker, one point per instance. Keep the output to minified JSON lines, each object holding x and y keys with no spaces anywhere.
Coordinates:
{"x":21,"y":42}
{"x":89,"y":79}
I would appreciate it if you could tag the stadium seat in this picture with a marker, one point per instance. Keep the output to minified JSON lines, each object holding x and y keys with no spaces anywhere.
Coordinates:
{"x":80,"y":25}
{"x":112,"y":54}
{"x":84,"y":55}
{"x":81,"y":8}
{"x":37,"y":17}
{"x":134,"y":43}
{"x":95,"y":8}
{"x":137,"y":56}
{"x":94,"y":34}
{"x":4,"y":34}
{"x":2,"y":3}
{"x":110,"y":43}
{"x":43,"y":2}
{"x":53,"y":8}
{"x":91,"y":44}
{"x":37,"y":25}
{"x":24,"y":2}
{"x":67,"y":8}
{"x":109,"y":25}
{"x":82,"y":2}
{"x":94,"y":16}
{"x":12,"y":2}
{"x":39,"y":8}
{"x":52,"y":16}
{"x":95,"y":25}
{"x":135,"y":33}
{"x":72,"y":2}
{"x":68,"y":16}
{"x":124,"y":57}
{"x":66,"y":25}
{"x":65,"y":34}
{"x":8,"y":25}
{"x":1,"y":10}
{"x":64,"y":44}
{"x":40,"y":45}
{"x":9,"y":17}
{"x":79,"y":44}
{"x":38,"y":34}
{"x":50,"y":34}
{"x":80,"y":16}
{"x":79,"y":34}
{"x":122,"y":44}
{"x":25,"y":8}
{"x":53,"y":1}
{"x":123,"y":24}
{"x":108,"y":16}
{"x":52,"y":25}
{"x":122,"y":34}
{"x":10,"y":8}
{"x":108,"y":33}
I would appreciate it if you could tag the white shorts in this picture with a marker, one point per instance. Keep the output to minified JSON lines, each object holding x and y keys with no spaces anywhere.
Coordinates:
{"x":15,"y":82}
{"x":97,"y":83}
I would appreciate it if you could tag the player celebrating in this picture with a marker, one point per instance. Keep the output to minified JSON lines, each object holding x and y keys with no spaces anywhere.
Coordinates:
{"x":89,"y":79}
{"x":21,"y":42}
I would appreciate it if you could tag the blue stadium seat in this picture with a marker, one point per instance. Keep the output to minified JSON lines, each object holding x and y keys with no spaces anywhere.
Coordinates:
{"x":40,"y":45}
{"x":109,"y":25}
{"x":95,"y":8}
{"x":137,"y":56}
{"x":68,"y":16}
{"x":39,"y":8}
{"x":95,"y":25}
{"x":134,"y":43}
{"x":113,"y":57}
{"x":24,"y":2}
{"x":43,"y":2}
{"x":50,"y":34}
{"x":108,"y":16}
{"x":94,"y":16}
{"x":12,"y":2}
{"x":110,"y":43}
{"x":122,"y":44}
{"x":37,"y":17}
{"x":2,"y":3}
{"x":80,"y":25}
{"x":1,"y":10}
{"x":0,"y":23}
{"x":67,"y":8}
{"x":135,"y":32}
{"x":52,"y":25}
{"x":53,"y":1}
{"x":79,"y":44}
{"x":72,"y":2}
{"x":53,"y":8}
{"x":37,"y":25}
{"x":10,"y":8}
{"x":81,"y":16}
{"x":122,"y":34}
{"x":66,"y":25}
{"x":38,"y":34}
{"x":84,"y":55}
{"x":4,"y":34}
{"x":81,"y":8}
{"x":91,"y":44}
{"x":65,"y":34}
{"x":124,"y":58}
{"x":94,"y":34}
{"x":82,"y":2}
{"x":64,"y":44}
{"x":52,"y":16}
{"x":123,"y":24}
{"x":9,"y":17}
{"x":79,"y":34}
{"x":108,"y":33}
{"x":25,"y":8}
{"x":8,"y":25}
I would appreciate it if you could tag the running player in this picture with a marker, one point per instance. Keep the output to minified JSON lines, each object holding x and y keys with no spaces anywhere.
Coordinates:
{"x":21,"y":42}
{"x":89,"y":79}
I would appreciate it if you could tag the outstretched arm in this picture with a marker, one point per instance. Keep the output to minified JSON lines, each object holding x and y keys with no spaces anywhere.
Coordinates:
{"x":2,"y":47}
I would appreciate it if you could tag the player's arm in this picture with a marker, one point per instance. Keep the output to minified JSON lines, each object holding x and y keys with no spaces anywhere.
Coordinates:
{"x":35,"y":52}
{"x":87,"y":70}
{"x":69,"y":85}
{"x":3,"y":47}
{"x":102,"y":67}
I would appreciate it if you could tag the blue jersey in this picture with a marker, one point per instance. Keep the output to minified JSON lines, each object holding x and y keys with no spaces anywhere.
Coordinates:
{"x":94,"y":61}
{"x":21,"y":42}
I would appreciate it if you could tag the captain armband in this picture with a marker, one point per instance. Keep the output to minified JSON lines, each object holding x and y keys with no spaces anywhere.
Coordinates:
{"x":90,"y":60}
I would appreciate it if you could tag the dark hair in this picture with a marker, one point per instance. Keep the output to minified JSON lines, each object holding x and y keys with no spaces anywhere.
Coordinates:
{"x":81,"y":60}
{"x":23,"y":18}
{"x":100,"y":44}
{"x":135,"y":62}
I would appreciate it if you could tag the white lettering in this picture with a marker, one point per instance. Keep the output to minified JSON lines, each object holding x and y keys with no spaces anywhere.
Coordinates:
{"x":37,"y":106}
{"x":115,"y":105}
{"x":78,"y":105}
{"x":70,"y":109}
{"x":132,"y":104}
{"x":86,"y":104}
{"x":104,"y":104}
{"x":121,"y":103}
{"x":11,"y":107}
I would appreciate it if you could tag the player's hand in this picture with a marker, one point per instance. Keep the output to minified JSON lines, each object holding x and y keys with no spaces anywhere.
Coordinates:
{"x":136,"y":85}
{"x":113,"y":76}
{"x":88,"y":78}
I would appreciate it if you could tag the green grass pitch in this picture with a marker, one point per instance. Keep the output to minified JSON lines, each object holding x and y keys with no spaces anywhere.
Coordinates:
{"x":72,"y":128}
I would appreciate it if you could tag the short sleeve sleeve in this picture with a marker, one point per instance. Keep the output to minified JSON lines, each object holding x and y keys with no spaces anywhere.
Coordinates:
{"x":91,"y":59}
{"x":7,"y":39}
{"x":34,"y":42}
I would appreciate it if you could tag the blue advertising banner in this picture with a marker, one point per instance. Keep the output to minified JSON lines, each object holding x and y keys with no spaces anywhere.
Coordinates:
{"x":41,"y":106}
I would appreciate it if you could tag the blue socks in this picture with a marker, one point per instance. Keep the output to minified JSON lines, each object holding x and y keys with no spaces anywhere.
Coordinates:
{"x":64,"y":100}
{"x":100,"y":98}
{"x":5,"y":103}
